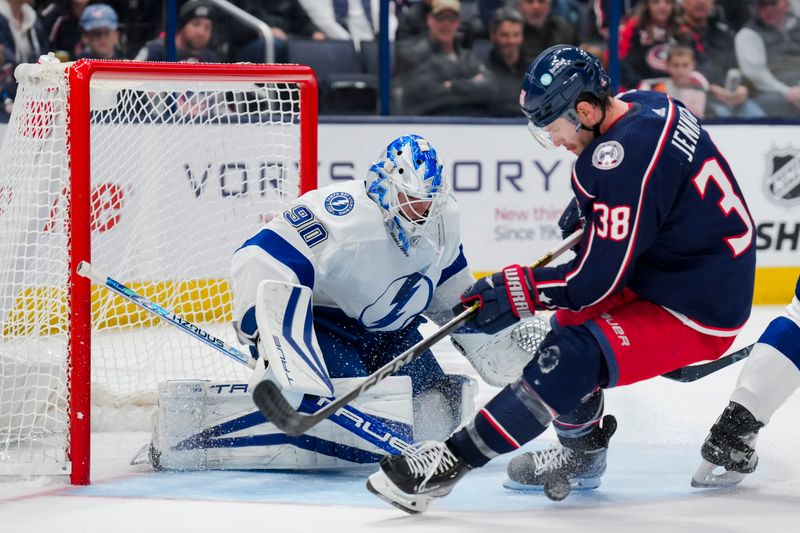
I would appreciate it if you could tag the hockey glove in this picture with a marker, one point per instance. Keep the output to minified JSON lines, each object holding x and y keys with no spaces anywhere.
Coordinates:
{"x":504,"y":298}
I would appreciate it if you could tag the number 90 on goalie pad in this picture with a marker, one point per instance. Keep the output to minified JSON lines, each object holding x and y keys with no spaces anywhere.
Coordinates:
{"x":287,"y":339}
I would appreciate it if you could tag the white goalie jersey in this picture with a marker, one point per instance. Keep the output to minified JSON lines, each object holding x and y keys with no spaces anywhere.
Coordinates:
{"x":334,"y":241}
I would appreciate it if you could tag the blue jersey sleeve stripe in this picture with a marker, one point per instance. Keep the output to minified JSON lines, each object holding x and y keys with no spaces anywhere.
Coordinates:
{"x":248,"y":325}
{"x":213,"y":438}
{"x":608,"y":352}
{"x":308,"y":328}
{"x":287,"y":334}
{"x":458,"y":264}
{"x":783,"y":334}
{"x":283,"y":251}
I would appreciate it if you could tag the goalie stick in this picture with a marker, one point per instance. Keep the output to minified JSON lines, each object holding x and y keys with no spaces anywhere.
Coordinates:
{"x":351,"y":419}
{"x":270,"y":401}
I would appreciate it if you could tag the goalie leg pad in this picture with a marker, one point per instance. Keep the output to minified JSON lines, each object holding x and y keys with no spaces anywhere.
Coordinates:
{"x":287,"y":338}
{"x":200,"y":425}
{"x":440,"y":409}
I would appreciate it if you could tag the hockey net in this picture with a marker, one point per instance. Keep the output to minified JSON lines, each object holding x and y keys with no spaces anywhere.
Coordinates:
{"x":155,"y":173}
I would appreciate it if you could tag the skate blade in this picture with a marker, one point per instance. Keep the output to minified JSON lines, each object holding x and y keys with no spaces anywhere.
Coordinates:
{"x":709,"y":475}
{"x":584,"y":484}
{"x":382,"y":487}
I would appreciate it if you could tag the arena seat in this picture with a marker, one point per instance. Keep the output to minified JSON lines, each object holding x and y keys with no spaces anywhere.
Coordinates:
{"x":344,"y":85}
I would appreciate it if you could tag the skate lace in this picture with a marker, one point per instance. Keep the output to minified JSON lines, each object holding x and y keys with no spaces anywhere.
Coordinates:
{"x":551,"y":458}
{"x":428,"y":459}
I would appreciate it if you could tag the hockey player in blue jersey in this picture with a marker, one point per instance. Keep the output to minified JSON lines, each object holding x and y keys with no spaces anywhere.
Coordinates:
{"x":769,"y":377}
{"x":338,"y":285}
{"x":663,"y":278}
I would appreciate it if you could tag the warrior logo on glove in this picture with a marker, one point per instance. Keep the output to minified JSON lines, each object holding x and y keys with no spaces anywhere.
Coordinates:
{"x":504,"y":298}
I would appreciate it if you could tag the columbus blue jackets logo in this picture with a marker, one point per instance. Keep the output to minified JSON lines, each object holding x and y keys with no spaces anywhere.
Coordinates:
{"x":608,"y":155}
{"x":782,"y":176}
{"x":400,"y":303}
{"x":339,"y":203}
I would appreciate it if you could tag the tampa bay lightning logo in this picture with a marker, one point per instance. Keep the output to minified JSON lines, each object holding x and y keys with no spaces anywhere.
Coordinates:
{"x":400,"y":303}
{"x":339,"y":203}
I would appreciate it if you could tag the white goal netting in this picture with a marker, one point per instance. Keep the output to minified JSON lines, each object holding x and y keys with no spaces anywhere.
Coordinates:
{"x":183,"y":170}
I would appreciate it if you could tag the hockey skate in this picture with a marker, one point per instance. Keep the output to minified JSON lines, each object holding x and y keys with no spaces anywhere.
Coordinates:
{"x":560,"y":469}
{"x":729,"y":446}
{"x":411,"y":481}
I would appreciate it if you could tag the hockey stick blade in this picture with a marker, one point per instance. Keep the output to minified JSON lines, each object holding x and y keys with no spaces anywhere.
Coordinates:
{"x":272,"y":404}
{"x":270,"y":401}
{"x":691,"y":373}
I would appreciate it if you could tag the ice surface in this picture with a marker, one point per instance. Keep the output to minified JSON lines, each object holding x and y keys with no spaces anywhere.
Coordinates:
{"x":651,"y":460}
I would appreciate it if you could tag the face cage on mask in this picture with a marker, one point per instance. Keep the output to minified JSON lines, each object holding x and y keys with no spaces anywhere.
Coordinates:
{"x":544,"y":137}
{"x":408,"y":234}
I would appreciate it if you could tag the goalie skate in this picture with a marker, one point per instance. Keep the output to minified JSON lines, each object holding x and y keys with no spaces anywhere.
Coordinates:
{"x":728,"y":451}
{"x":412,"y":481}
{"x":560,"y":469}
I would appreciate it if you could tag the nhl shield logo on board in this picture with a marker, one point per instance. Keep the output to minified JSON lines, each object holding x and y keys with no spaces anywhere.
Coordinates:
{"x":782,"y":176}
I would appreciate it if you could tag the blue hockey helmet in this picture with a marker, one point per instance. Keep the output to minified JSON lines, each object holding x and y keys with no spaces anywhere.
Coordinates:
{"x":408,"y":174}
{"x":554,"y":82}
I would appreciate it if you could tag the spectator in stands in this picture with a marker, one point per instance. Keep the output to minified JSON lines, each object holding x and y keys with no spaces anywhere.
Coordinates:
{"x":139,"y":18}
{"x":712,"y":41}
{"x":286,"y":18}
{"x":61,"y":21}
{"x":768,"y":51}
{"x":599,"y":14}
{"x":684,"y":82}
{"x":543,"y":29}
{"x":569,"y":10}
{"x":645,"y":40}
{"x":99,"y":24}
{"x":736,"y":13}
{"x":412,"y":23}
{"x":22,"y":33}
{"x":436,"y":75}
{"x":195,"y":29}
{"x":354,"y":20}
{"x":506,"y":66}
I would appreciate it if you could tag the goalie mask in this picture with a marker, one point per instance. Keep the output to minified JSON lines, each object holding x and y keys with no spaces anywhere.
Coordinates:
{"x":408,"y":185}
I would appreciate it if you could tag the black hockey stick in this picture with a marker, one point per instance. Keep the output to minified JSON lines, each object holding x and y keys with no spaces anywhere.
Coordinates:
{"x":270,"y":401}
{"x":690,"y":373}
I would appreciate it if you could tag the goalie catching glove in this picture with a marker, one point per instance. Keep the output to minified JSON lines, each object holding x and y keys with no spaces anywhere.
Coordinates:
{"x":500,"y":359}
{"x":504,"y":298}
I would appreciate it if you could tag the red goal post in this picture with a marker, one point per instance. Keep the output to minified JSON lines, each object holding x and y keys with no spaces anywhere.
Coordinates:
{"x":155,"y":172}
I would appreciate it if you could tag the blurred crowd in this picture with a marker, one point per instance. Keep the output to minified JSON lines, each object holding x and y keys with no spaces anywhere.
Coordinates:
{"x":722,"y":58}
